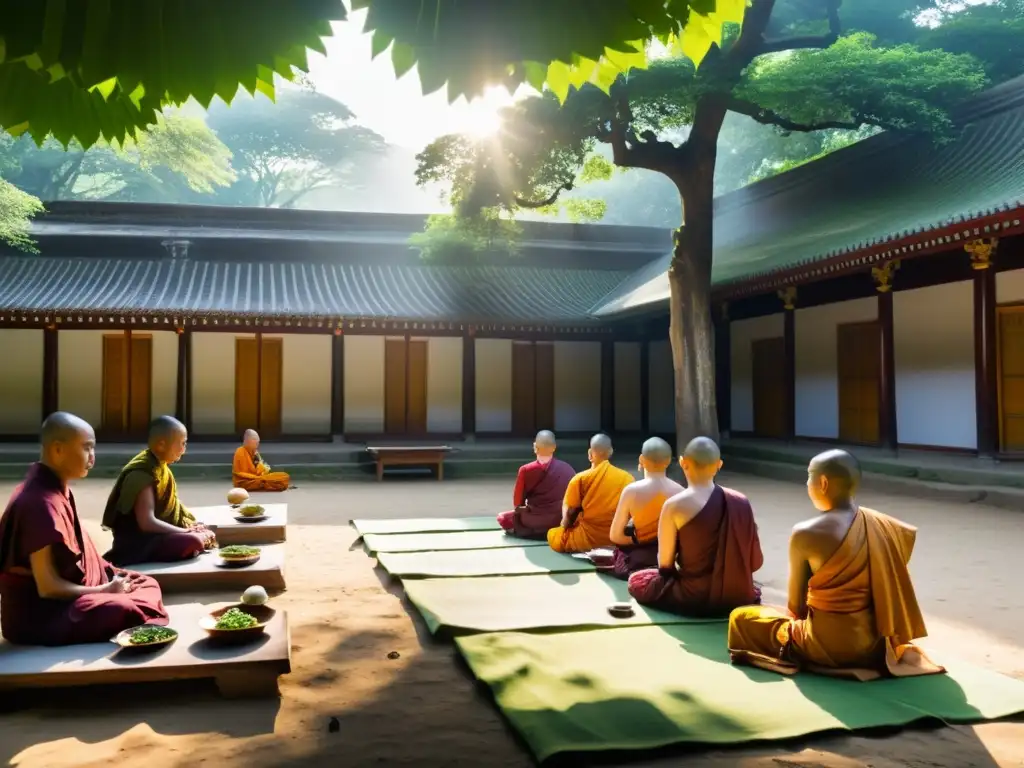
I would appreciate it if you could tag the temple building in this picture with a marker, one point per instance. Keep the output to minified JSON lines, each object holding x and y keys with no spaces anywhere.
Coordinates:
{"x":873,"y":297}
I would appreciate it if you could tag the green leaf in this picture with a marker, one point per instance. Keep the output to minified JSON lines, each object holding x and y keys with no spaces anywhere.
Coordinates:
{"x":403,"y":58}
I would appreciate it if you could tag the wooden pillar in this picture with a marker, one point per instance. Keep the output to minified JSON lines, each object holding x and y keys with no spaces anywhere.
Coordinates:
{"x":187,"y":341}
{"x":181,"y":384}
{"x":788,"y":297}
{"x":986,"y":386}
{"x":469,"y":384}
{"x":723,"y":370}
{"x":338,"y":383}
{"x":888,"y":431}
{"x":645,"y":387}
{"x":608,"y":386}
{"x":50,"y":401}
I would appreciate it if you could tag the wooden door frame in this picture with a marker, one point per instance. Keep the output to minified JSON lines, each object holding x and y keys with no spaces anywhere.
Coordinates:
{"x":1003,"y":309}
{"x":407,"y":340}
{"x":126,"y":379}
{"x":877,"y":323}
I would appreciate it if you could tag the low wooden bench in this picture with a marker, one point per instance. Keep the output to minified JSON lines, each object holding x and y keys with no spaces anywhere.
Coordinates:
{"x":247,"y":670}
{"x":203,"y":573}
{"x":409,"y":456}
{"x":221,"y":519}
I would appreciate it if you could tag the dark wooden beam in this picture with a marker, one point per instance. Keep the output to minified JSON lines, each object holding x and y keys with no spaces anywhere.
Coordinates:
{"x":181,"y":388}
{"x":608,"y":386}
{"x":723,"y":370}
{"x":888,"y":429}
{"x":187,"y":340}
{"x":51,"y":375}
{"x":645,"y":387}
{"x":985,"y":353}
{"x":338,"y":384}
{"x":468,"y":385}
{"x":789,"y":365}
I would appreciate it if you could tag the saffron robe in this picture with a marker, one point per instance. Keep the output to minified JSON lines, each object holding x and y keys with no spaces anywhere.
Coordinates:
{"x":250,"y":472}
{"x":132,"y":545}
{"x":643,"y":554}
{"x":717,"y":553}
{"x":862,"y":613}
{"x":40,"y":514}
{"x":596,"y":492}
{"x":537,"y":498}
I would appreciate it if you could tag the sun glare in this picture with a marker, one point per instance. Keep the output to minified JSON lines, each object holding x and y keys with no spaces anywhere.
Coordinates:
{"x":480,"y":118}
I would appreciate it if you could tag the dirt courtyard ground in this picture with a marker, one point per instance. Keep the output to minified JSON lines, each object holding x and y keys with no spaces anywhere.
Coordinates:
{"x":423,"y":709}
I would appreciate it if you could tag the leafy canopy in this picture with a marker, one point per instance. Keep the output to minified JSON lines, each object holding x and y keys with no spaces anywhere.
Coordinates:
{"x":16,"y":210}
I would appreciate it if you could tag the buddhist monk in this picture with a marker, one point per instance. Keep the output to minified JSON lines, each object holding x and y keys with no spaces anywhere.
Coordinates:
{"x":635,"y":525}
{"x":538,"y":492}
{"x":591,"y":499}
{"x":852,"y":608}
{"x":249,"y":471}
{"x":55,"y":589}
{"x":149,"y":522}
{"x":708,"y":547}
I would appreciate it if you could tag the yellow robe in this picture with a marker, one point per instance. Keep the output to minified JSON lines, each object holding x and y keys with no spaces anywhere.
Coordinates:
{"x":596,"y":491}
{"x":246,"y":473}
{"x":862,"y":613}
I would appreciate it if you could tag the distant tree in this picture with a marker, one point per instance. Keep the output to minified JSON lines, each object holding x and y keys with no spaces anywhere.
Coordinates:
{"x":16,"y":211}
{"x":283,"y":151}
{"x":994,"y":34}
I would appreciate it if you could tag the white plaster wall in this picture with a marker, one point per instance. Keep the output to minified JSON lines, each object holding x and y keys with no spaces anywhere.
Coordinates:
{"x":934,"y":345}
{"x":364,"y":384}
{"x":164,"y":397}
{"x":80,"y":374}
{"x":21,"y":384}
{"x":306,"y":384}
{"x":494,"y":385}
{"x":213,"y":382}
{"x":577,"y":386}
{"x":1010,"y":286}
{"x":662,"y":388}
{"x":627,"y":386}
{"x":444,"y":384}
{"x":817,"y":374}
{"x":741,"y":334}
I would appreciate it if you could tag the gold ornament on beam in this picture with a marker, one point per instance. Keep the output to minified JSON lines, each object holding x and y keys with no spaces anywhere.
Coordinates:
{"x":884,"y":274}
{"x":981,"y":251}
{"x":788,"y":296}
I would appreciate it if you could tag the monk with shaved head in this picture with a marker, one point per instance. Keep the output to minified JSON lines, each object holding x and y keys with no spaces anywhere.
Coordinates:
{"x":708,"y":547}
{"x":249,"y":471}
{"x":635,"y":525}
{"x":591,"y":499}
{"x":55,"y":589}
{"x":852,"y":609}
{"x":149,"y":522}
{"x":538,"y":492}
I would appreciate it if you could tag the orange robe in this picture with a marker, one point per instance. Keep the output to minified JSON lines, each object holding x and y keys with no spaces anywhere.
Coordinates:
{"x":862,"y":613}
{"x":246,"y":473}
{"x":596,"y":491}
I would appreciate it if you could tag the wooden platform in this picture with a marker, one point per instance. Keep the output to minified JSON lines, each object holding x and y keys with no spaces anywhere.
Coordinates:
{"x":245,"y":670}
{"x":230,"y":531}
{"x":409,"y":456}
{"x":204,"y":574}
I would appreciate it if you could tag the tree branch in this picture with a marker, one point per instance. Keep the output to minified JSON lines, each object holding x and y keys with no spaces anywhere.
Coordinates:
{"x":534,"y":204}
{"x":644,"y":151}
{"x":769,"y":117}
{"x":808,"y":41}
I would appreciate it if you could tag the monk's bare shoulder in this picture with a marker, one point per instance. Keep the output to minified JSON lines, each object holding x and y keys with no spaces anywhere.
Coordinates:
{"x":821,"y":534}
{"x":683,"y":506}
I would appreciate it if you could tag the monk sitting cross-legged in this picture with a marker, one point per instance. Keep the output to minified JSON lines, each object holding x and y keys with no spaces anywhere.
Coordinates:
{"x":708,"y":547}
{"x":249,"y":471}
{"x":149,"y":523}
{"x":635,"y":525}
{"x":55,"y":589}
{"x":590,"y":502}
{"x":852,"y":608}
{"x":538,"y":492}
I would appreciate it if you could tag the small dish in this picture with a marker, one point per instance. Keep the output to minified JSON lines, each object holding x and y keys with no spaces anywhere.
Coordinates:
{"x":262,"y":613}
{"x":238,"y":556}
{"x":621,"y":610}
{"x":251,"y":519}
{"x":124,"y":638}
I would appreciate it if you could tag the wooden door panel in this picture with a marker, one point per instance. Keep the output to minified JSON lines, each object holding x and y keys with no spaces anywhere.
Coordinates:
{"x":141,"y":389}
{"x":416,"y":381}
{"x":1011,"y":379}
{"x":115,"y":362}
{"x":394,"y":386}
{"x":247,"y":378}
{"x":769,"y":385}
{"x":524,"y":389}
{"x":859,"y":354}
{"x":544,"y":383}
{"x":271,"y":380}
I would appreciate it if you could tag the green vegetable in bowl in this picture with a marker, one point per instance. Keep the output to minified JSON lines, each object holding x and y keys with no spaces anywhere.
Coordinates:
{"x":236,"y":551}
{"x":148,"y":634}
{"x":251,"y":510}
{"x":236,"y":619}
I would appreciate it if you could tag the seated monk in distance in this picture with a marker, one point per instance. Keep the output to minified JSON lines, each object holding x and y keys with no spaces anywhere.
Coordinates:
{"x":708,"y":547}
{"x":538,"y":492}
{"x":249,"y":471}
{"x":852,"y":608}
{"x":590,"y":502}
{"x":55,"y":589}
{"x":150,"y":524}
{"x":635,"y":525}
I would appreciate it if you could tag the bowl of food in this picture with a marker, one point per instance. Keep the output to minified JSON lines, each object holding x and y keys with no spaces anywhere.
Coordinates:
{"x":621,"y":610}
{"x":251,"y":513}
{"x":238,"y":555}
{"x":145,"y":636}
{"x":237,"y":622}
{"x":237,"y":496}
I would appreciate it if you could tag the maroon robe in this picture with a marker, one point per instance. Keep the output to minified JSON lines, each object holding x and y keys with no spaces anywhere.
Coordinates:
{"x":42,"y":513}
{"x":538,"y":495}
{"x":717,"y":553}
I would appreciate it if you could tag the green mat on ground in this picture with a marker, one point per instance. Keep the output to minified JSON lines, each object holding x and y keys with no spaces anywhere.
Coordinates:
{"x":438,"y":542}
{"x":427,"y":525}
{"x":511,"y":561}
{"x":550,"y":601}
{"x":646,"y":687}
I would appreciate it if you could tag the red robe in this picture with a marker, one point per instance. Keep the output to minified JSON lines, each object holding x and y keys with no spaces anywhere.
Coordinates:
{"x":537,"y":496}
{"x":42,"y":513}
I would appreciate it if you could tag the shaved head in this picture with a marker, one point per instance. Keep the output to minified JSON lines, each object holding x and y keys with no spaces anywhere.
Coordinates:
{"x":61,"y":427}
{"x":69,"y":445}
{"x":545,"y":439}
{"x":251,"y":434}
{"x":165,"y":428}
{"x":842,"y":472}
{"x":601,"y":444}
{"x":702,"y":452}
{"x":657,"y":451}
{"x":167,"y":438}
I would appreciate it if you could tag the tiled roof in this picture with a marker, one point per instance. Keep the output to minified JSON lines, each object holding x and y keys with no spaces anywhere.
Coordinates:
{"x":879,"y":191}
{"x":301,"y":289}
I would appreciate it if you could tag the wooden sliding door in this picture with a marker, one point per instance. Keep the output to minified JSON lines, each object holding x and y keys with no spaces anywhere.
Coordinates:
{"x":769,"y":384}
{"x":859,"y":352}
{"x":1011,"y":378}
{"x":533,"y":387}
{"x":405,"y":386}
{"x":259,"y":373}
{"x":127,"y":384}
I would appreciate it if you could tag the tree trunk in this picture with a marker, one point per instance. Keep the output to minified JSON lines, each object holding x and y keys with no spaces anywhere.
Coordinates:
{"x":691,"y":331}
